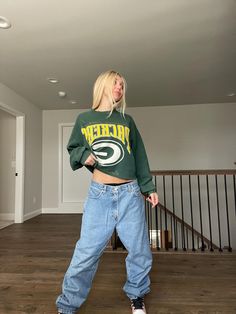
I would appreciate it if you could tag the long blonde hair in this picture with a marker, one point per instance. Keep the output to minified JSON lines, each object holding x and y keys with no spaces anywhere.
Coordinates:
{"x":107,"y":79}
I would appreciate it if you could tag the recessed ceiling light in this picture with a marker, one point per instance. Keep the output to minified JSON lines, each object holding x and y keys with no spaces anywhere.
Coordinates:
{"x":53,"y":80}
{"x":73,"y":102}
{"x":62,"y":94}
{"x":4,"y":23}
{"x":231,"y":94}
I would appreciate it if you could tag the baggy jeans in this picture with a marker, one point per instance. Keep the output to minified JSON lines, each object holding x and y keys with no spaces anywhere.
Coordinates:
{"x":107,"y":207}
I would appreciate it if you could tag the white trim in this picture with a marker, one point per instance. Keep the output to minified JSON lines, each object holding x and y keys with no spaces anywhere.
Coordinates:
{"x":62,"y":205}
{"x":20,"y":160}
{"x":61,"y":211}
{"x":32,"y":214}
{"x":7,"y":216}
{"x":10,"y":110}
{"x":60,"y":158}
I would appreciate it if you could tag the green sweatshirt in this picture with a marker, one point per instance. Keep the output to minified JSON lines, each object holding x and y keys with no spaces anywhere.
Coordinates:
{"x":116,"y":143}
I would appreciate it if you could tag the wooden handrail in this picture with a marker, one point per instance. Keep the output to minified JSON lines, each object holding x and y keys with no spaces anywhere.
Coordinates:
{"x":193,"y":172}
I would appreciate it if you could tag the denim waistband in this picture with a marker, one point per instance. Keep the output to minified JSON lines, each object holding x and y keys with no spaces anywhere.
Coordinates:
{"x":127,"y":186}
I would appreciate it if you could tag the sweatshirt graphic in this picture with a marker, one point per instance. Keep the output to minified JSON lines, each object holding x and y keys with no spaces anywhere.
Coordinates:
{"x":116,"y":143}
{"x":106,"y":142}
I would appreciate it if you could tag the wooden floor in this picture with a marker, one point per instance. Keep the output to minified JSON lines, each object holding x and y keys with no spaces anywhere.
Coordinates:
{"x":34,"y":257}
{"x":5,"y":223}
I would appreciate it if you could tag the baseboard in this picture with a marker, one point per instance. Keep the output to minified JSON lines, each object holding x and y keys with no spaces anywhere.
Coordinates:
{"x":61,"y":211}
{"x":32,"y":214}
{"x":7,"y":216}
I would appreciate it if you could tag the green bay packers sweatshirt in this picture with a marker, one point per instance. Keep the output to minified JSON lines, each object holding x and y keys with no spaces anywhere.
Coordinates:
{"x":116,"y":143}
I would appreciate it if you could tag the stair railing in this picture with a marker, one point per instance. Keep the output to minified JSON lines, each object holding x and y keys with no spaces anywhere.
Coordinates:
{"x":196,"y":211}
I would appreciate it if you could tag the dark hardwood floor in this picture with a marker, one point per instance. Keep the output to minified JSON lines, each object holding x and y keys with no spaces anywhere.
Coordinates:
{"x":34,"y":257}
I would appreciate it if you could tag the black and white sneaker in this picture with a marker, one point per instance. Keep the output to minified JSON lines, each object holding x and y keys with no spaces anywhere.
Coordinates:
{"x":138,"y":306}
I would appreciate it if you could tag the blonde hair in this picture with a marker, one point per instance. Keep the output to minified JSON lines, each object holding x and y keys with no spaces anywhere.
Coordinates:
{"x":107,"y":79}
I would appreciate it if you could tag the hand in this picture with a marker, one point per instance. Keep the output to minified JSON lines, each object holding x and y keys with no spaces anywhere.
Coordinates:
{"x":90,"y":160}
{"x":153,"y":199}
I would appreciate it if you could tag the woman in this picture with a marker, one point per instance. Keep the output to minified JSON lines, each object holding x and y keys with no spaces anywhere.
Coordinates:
{"x":107,"y":142}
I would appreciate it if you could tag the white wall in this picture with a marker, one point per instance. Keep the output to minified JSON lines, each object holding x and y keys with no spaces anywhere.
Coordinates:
{"x":189,"y":137}
{"x":7,"y":171}
{"x":175,"y":137}
{"x":33,"y":148}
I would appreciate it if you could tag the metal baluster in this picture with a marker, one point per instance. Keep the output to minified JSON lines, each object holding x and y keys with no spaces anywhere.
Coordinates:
{"x":166,"y":228}
{"x":200,"y":212}
{"x":218,"y":212}
{"x":187,"y":237}
{"x":156,"y":222}
{"x":234,"y":193}
{"x":182,"y":211}
{"x":209,"y":212}
{"x":174,"y":219}
{"x":114,"y":247}
{"x":191,"y":211}
{"x":227,"y":214}
{"x":146,"y":203}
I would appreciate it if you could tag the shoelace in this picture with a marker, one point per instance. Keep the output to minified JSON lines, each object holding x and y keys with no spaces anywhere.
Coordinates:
{"x":137,"y":303}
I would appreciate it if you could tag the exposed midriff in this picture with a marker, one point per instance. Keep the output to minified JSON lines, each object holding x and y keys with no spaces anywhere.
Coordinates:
{"x":102,"y":177}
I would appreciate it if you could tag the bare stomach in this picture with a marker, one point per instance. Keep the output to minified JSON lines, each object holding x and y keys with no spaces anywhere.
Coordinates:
{"x":102,"y":177}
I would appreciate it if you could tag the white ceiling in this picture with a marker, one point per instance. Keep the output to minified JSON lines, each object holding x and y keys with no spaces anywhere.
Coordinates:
{"x":170,"y":51}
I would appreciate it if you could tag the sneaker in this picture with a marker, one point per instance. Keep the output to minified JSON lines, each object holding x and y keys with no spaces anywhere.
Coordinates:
{"x":137,"y":306}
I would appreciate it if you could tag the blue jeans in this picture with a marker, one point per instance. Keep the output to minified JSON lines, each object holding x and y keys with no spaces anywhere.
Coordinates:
{"x":107,"y":207}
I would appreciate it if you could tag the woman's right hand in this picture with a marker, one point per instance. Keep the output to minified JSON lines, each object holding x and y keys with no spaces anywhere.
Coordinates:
{"x":91,"y":160}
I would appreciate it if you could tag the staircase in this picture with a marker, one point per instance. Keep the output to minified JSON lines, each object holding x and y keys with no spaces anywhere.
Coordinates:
{"x":196,"y":211}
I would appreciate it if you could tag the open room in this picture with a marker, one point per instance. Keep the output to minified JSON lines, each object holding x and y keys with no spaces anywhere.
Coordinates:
{"x":118,"y":157}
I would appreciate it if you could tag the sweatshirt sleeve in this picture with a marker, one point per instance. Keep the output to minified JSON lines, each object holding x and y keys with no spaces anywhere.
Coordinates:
{"x":76,"y":148}
{"x":143,"y":173}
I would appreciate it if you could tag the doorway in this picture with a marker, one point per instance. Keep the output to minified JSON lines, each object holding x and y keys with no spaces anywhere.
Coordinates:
{"x":11,"y":166}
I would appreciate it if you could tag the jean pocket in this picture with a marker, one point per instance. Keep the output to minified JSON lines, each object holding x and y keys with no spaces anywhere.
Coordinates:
{"x":95,"y":192}
{"x":137,"y":191}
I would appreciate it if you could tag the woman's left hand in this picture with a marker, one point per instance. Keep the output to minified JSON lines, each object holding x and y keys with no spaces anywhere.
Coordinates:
{"x":153,"y":199}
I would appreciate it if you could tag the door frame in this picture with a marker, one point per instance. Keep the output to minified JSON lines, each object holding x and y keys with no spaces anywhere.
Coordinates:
{"x":20,"y":161}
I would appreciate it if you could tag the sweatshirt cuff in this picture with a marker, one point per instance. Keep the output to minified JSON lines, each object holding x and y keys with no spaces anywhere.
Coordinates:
{"x":147,"y":187}
{"x":84,"y":157}
{"x":150,"y":192}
